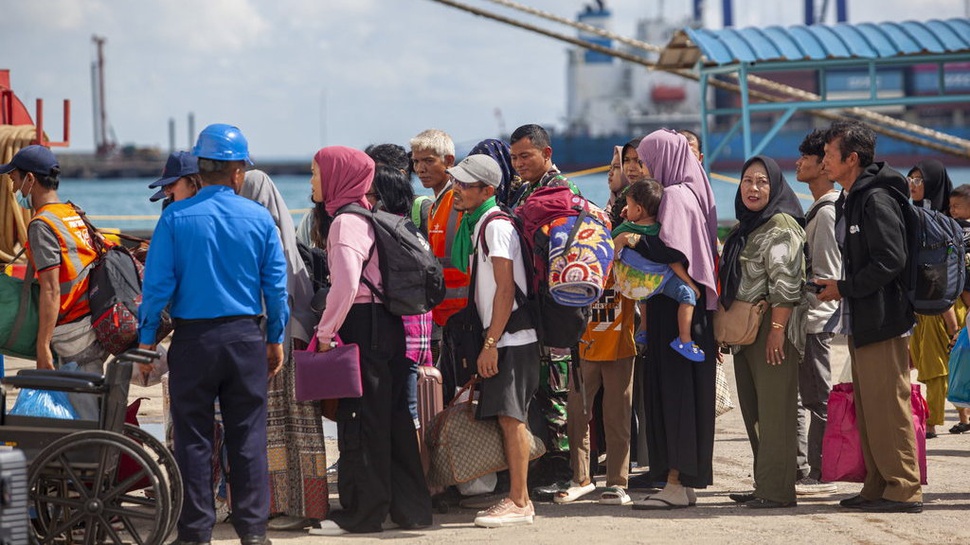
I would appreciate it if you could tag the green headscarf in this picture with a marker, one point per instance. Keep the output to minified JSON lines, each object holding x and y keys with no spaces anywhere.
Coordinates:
{"x":462,"y":247}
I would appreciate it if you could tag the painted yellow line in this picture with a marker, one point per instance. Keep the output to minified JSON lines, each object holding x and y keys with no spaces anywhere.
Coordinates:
{"x":594,"y":170}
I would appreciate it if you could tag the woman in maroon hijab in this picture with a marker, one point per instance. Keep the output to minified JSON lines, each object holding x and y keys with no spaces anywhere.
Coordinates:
{"x":379,"y":471}
{"x":679,"y":394}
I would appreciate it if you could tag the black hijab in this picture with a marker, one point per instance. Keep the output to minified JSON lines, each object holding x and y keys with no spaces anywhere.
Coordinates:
{"x":936,"y":185}
{"x":781,"y":200}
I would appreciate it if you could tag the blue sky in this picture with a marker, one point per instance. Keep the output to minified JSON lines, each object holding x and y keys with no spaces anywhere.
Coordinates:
{"x":299,"y":74}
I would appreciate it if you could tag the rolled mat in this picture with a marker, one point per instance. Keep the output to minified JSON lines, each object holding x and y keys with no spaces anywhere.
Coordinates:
{"x":578,"y":273}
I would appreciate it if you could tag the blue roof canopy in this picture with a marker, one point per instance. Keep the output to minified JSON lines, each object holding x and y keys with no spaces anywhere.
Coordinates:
{"x":815,"y":42}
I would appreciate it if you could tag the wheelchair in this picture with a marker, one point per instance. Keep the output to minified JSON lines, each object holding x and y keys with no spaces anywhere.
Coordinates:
{"x":90,"y":481}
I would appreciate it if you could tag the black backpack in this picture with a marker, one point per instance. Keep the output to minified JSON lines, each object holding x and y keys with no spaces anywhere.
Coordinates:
{"x":411,"y":274}
{"x":936,"y":261}
{"x":114,"y":293}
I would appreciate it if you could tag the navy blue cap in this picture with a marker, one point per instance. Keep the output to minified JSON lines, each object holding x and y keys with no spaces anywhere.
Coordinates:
{"x":180,"y":163}
{"x":36,"y":159}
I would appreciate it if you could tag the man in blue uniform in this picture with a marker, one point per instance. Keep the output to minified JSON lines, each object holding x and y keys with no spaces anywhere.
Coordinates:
{"x":215,"y":259}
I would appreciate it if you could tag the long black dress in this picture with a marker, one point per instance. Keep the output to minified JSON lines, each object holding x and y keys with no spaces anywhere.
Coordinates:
{"x":679,"y":393}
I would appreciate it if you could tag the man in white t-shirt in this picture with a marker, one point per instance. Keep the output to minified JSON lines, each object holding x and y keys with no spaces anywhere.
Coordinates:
{"x":509,"y":360}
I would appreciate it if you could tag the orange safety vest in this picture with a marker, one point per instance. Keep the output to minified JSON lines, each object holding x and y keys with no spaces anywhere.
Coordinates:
{"x":77,"y":253}
{"x":442,"y":226}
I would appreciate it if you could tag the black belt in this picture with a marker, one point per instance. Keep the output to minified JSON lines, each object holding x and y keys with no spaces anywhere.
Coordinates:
{"x":214,"y":321}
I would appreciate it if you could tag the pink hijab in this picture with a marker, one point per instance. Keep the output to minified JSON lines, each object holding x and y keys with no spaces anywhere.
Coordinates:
{"x":687,"y":215}
{"x":345,"y":176}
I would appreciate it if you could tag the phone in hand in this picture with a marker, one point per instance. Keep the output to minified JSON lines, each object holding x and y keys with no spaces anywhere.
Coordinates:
{"x":813,"y":287}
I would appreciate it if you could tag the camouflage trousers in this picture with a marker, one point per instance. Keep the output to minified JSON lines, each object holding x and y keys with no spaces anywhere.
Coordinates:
{"x":551,"y":396}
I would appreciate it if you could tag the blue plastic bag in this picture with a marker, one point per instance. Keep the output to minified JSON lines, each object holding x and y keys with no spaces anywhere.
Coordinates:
{"x":959,"y":391}
{"x":45,"y":403}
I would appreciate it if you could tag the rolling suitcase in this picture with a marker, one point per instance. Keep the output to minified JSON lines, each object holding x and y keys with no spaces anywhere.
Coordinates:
{"x":13,"y":497}
{"x":430,"y":396}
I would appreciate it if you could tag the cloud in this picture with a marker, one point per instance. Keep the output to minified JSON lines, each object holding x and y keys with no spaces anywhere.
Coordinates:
{"x":296,"y":74}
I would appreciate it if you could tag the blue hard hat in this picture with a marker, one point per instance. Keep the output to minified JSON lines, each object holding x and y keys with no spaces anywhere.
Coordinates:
{"x":222,"y":142}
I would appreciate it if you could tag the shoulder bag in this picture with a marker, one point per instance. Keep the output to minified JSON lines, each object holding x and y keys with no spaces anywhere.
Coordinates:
{"x":738,"y":326}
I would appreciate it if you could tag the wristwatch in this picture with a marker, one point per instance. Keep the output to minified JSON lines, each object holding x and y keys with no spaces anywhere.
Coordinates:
{"x":489,"y":343}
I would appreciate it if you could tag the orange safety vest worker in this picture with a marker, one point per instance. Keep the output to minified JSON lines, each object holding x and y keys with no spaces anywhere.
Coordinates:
{"x":77,"y":253}
{"x":442,"y":226}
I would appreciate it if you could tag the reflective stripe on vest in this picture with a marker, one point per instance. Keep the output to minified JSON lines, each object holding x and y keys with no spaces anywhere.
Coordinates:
{"x":442,"y":225}
{"x":76,"y":254}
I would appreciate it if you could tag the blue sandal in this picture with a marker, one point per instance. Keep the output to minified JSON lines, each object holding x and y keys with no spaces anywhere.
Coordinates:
{"x":689,"y":350}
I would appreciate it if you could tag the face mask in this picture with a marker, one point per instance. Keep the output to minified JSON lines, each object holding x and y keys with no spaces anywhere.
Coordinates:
{"x":24,"y":202}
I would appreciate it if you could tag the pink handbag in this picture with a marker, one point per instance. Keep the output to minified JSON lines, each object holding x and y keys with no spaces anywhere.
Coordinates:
{"x":841,"y":447}
{"x":333,"y":374}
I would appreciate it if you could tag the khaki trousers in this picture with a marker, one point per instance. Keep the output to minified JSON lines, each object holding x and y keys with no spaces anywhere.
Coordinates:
{"x":880,"y":380}
{"x":616,"y":378}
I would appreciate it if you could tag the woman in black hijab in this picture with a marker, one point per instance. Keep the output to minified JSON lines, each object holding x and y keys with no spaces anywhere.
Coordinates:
{"x":764,"y":259}
{"x":930,"y":187}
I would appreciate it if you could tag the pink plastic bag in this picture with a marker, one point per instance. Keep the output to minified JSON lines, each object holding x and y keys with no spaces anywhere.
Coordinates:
{"x":841,"y":447}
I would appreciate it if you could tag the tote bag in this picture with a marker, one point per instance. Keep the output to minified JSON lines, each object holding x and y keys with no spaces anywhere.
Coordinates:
{"x":19,"y":315}
{"x":841,"y":446}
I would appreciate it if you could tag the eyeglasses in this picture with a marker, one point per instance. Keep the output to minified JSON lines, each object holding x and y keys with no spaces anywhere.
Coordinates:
{"x":465,"y":186}
{"x":915,"y":181}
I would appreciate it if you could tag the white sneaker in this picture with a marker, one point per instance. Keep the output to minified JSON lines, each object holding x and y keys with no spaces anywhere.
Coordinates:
{"x":327,"y":528}
{"x":810,"y":487}
{"x":505,"y":513}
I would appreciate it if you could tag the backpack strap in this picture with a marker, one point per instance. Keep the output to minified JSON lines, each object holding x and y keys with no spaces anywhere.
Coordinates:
{"x":521,"y":299}
{"x":354,"y":208}
{"x":417,"y":210}
{"x":811,"y":215}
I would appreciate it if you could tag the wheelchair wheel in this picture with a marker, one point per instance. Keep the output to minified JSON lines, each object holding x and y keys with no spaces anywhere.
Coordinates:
{"x":80,"y":496}
{"x":164,"y":457}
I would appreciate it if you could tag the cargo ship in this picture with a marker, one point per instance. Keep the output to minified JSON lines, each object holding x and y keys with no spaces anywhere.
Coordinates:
{"x":609,"y":101}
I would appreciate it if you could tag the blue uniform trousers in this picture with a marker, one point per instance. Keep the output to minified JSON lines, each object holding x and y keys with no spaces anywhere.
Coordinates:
{"x":222,"y":359}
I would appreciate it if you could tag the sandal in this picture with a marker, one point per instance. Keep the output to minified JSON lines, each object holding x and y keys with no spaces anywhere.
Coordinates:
{"x":574,"y":492}
{"x":614,"y":495}
{"x":960,"y":427}
{"x":689,"y":350}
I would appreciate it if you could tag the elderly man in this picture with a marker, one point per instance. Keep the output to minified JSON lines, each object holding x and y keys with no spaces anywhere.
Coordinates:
{"x":877,"y":316}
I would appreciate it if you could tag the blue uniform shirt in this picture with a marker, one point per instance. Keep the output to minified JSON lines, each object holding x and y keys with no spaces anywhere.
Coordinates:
{"x":214,"y":255}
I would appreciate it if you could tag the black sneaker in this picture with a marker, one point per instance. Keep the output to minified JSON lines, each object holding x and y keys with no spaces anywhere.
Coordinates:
{"x":549,"y":491}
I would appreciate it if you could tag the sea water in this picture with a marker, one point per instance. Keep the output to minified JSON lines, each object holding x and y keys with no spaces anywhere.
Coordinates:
{"x":123,"y":203}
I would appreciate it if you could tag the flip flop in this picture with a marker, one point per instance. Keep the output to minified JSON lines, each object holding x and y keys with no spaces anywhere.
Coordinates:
{"x":614,"y":495}
{"x":656,"y":504}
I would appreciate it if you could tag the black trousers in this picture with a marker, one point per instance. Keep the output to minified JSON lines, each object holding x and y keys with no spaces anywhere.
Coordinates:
{"x":379,"y":470}
{"x":224,"y":361}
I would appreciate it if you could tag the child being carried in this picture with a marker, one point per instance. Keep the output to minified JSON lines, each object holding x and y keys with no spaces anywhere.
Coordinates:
{"x":646,"y":266}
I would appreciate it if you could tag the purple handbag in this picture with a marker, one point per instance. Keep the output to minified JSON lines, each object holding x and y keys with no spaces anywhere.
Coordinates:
{"x":333,"y":374}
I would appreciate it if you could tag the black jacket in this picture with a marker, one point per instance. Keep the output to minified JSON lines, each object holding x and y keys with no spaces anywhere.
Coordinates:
{"x":874,"y":254}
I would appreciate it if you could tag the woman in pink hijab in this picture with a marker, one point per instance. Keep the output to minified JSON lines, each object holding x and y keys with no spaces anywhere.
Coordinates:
{"x":379,"y":471}
{"x":679,"y":394}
